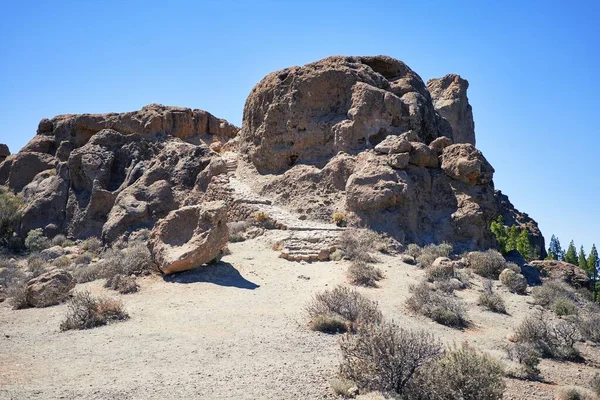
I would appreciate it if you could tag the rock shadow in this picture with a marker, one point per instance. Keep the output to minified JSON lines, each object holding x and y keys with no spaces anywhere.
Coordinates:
{"x":222,"y":274}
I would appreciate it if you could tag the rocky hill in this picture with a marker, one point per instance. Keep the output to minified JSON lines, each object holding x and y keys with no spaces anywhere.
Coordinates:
{"x":364,"y":136}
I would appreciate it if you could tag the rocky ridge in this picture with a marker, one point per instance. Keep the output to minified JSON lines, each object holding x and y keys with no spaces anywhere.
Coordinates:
{"x":364,"y":136}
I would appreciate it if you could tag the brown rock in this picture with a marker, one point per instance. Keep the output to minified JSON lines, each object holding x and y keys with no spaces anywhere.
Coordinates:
{"x":563,"y":271}
{"x":421,"y":155}
{"x":465,"y":163}
{"x":450,"y":100}
{"x":189,"y":237}
{"x":440,"y":144}
{"x":398,"y":161}
{"x":4,"y":152}
{"x":50,"y":288}
{"x":393,"y":144}
{"x":24,"y":166}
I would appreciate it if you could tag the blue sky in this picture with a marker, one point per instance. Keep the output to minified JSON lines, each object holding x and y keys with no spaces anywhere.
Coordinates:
{"x":532,"y":68}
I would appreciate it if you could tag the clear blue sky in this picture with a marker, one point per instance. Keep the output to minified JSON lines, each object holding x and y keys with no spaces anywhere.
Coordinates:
{"x":533,"y":67}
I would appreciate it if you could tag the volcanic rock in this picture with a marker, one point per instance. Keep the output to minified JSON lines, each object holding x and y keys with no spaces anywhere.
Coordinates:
{"x":49,"y":288}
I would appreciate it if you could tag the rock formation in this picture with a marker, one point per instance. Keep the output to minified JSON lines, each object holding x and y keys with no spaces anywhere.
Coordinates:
{"x":4,"y":152}
{"x":106,"y":175}
{"x":49,"y":288}
{"x":360,"y":135}
{"x":367,"y":133}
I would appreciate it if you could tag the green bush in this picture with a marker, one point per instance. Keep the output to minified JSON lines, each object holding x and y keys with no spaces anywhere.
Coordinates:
{"x":36,"y":241}
{"x":563,"y":307}
{"x":10,"y":215}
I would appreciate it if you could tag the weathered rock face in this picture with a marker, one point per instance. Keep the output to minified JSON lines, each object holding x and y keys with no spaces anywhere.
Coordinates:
{"x":560,"y":270}
{"x":4,"y":152}
{"x":366,"y":131}
{"x":450,"y":100}
{"x":308,"y":114}
{"x":49,"y":289}
{"x":106,"y":175}
{"x":189,"y":237}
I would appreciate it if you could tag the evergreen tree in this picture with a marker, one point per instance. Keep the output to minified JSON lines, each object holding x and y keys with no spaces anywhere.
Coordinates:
{"x":582,"y":261}
{"x":511,"y":242}
{"x":523,"y":244}
{"x":499,"y":230}
{"x":593,"y":263}
{"x":555,"y":250}
{"x":571,"y":254}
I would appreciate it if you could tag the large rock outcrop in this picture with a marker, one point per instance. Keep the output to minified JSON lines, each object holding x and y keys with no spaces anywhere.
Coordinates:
{"x":4,"y":152}
{"x":366,"y":132}
{"x":189,"y":237}
{"x":49,"y":288}
{"x":449,"y":95}
{"x":106,"y":175}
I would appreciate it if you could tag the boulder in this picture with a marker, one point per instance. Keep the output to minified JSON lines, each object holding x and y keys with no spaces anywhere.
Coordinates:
{"x":189,"y":237}
{"x":4,"y":152}
{"x":466,"y":164}
{"x":24,"y":166}
{"x":449,"y":95}
{"x":393,"y":144}
{"x":49,"y":288}
{"x":399,"y":161}
{"x":439,"y":144}
{"x":423,"y":156}
{"x":52,"y":253}
{"x":308,"y":114}
{"x":563,"y":271}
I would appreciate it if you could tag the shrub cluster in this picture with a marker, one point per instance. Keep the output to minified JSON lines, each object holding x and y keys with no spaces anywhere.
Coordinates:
{"x":86,"y":312}
{"x":122,"y":283}
{"x":528,"y":358}
{"x":488,"y":264}
{"x":514,"y":281}
{"x":363,"y":274}
{"x":491,"y":300}
{"x":36,"y":241}
{"x":329,"y":308}
{"x":440,"y":307}
{"x":358,"y":244}
{"x":428,"y":254}
{"x":10,"y":216}
{"x":551,"y":340}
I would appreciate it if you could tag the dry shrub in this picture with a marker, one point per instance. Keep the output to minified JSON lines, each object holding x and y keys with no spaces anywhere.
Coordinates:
{"x":339,"y":218}
{"x":564,"y":307}
{"x":355,"y":309}
{"x":515,"y":282}
{"x":363,"y":274}
{"x":464,"y":373}
{"x":343,"y":387}
{"x":488,"y":264}
{"x":133,"y":260}
{"x":59,"y":240}
{"x":36,"y":265}
{"x":84,"y":258}
{"x":337,"y":255}
{"x":62,"y":262}
{"x":430,"y":252}
{"x":10,"y":273}
{"x":574,"y":393}
{"x":589,"y":327}
{"x":329,"y":323}
{"x":68,"y":243}
{"x":86,"y":312}
{"x":440,"y":307}
{"x":88,"y":273}
{"x":551,"y":340}
{"x":236,"y":230}
{"x":413,"y":250}
{"x":92,"y":244}
{"x":595,"y":384}
{"x":18,"y":296}
{"x":386,"y":357}
{"x":551,"y":291}
{"x":122,"y":283}
{"x":439,"y":272}
{"x":408,"y":259}
{"x":357,"y":244}
{"x":491,"y":300}
{"x":528,"y":358}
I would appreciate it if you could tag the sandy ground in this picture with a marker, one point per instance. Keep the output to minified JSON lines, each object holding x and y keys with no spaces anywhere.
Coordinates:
{"x":236,"y":330}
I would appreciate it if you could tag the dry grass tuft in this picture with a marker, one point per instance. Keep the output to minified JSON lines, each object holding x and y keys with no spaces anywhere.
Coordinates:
{"x":86,"y":312}
{"x":440,"y":307}
{"x":362,"y":274}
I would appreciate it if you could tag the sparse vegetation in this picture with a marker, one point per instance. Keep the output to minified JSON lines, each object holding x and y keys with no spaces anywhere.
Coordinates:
{"x":329,"y":323}
{"x":552,"y":291}
{"x":464,"y":373}
{"x":92,"y":244}
{"x":18,"y":296}
{"x":339,"y":218}
{"x":564,"y":307}
{"x":595,"y":384}
{"x":386,"y":357}
{"x":491,"y":300}
{"x":86,"y":312}
{"x":573,"y":393}
{"x":363,"y":274}
{"x":343,"y":387}
{"x":440,"y":307}
{"x":439,"y":272}
{"x":10,"y":215}
{"x":430,"y":252}
{"x":36,"y":241}
{"x":514,"y":282}
{"x":589,"y":326}
{"x":551,"y":340}
{"x":352,"y":307}
{"x":122,"y":283}
{"x":59,"y":240}
{"x":413,"y":250}
{"x":236,"y":231}
{"x":488,"y":264}
{"x":528,"y":358}
{"x":358,"y":244}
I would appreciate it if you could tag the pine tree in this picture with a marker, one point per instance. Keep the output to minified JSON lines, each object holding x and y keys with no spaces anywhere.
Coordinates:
{"x":582,"y":261}
{"x":523,"y":244}
{"x":499,"y":230}
{"x":555,"y":250}
{"x":511,"y":242}
{"x":593,"y":265}
{"x":571,"y":254}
